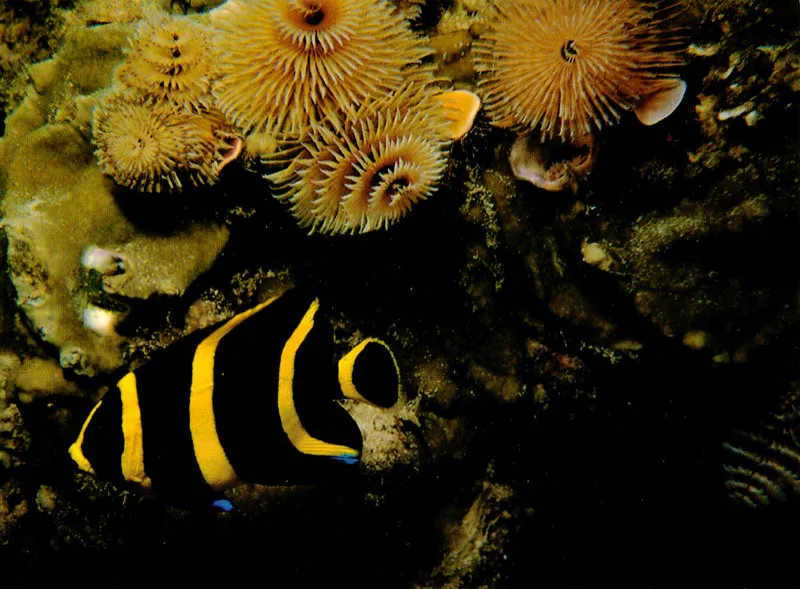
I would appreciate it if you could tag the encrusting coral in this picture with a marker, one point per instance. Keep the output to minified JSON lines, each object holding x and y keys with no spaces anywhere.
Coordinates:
{"x":56,"y":204}
{"x":287,"y":64}
{"x":569,"y":67}
{"x":388,"y":155}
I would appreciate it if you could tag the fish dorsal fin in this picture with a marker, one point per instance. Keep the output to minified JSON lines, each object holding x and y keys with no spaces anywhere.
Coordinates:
{"x":658,"y":106}
{"x":369,"y":373}
{"x":460,"y":107}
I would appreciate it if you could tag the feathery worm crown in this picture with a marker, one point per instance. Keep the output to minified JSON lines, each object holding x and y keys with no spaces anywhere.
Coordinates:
{"x":567,"y":67}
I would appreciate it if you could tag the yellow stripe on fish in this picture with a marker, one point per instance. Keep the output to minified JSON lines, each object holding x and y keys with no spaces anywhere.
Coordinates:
{"x":75,"y":450}
{"x":290,"y":420}
{"x":132,"y":463}
{"x":217,"y":470}
{"x":370,"y":368}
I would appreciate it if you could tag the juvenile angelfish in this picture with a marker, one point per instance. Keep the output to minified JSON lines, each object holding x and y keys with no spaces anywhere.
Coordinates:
{"x":248,"y":400}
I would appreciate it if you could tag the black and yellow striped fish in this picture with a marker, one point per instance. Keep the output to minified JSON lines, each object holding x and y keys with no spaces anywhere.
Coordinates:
{"x":251,"y":399}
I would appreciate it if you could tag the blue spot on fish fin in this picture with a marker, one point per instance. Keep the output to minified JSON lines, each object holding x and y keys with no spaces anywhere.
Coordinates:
{"x":222,"y":505}
{"x":347,"y":458}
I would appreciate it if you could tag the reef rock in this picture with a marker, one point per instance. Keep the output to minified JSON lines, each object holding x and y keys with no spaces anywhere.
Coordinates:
{"x":59,"y":211}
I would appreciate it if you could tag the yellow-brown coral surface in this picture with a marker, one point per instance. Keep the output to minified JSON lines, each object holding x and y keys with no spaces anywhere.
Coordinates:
{"x":286,"y":64}
{"x":566,"y":67}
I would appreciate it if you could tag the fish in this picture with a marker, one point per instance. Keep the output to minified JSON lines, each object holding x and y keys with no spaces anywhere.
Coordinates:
{"x":252,"y":399}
